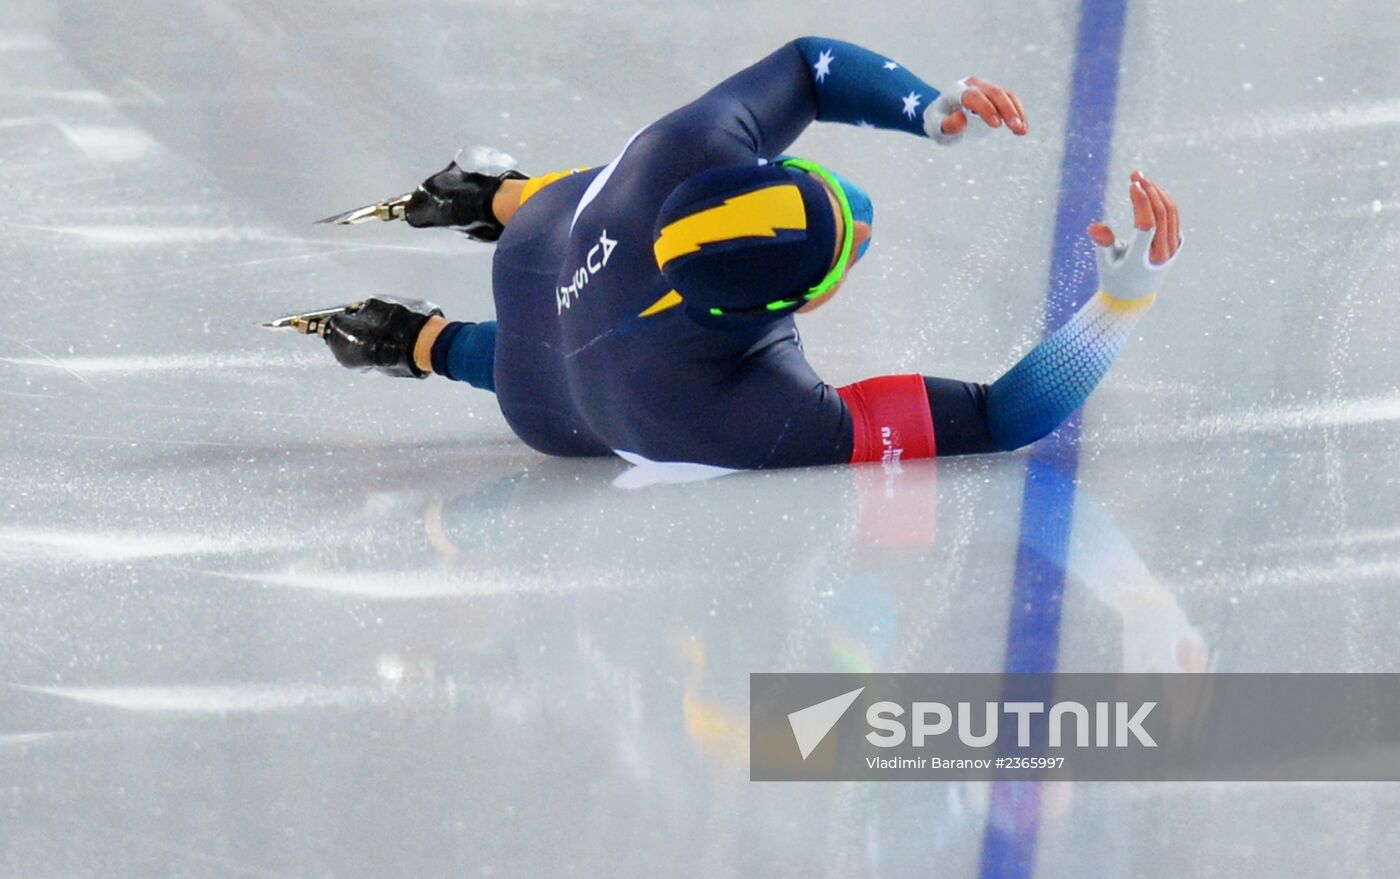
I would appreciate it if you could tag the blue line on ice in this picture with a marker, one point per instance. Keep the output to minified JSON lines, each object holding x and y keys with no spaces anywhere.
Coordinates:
{"x":1047,"y":506}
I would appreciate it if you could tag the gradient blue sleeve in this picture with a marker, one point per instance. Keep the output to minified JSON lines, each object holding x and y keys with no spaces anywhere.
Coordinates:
{"x":1057,"y":376}
{"x":860,"y":87}
{"x":1043,"y":389}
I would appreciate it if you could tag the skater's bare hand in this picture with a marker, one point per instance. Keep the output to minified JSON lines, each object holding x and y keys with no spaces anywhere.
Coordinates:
{"x":992,"y":104}
{"x":1153,"y":208}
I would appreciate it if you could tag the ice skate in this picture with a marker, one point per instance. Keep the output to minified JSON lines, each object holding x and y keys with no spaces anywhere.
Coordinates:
{"x":453,"y":197}
{"x":310,"y":323}
{"x":387,"y":210}
{"x":376,"y":333}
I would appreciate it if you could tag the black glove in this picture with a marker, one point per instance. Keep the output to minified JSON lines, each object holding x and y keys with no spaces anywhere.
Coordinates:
{"x":454,"y":197}
{"x":378,"y":335}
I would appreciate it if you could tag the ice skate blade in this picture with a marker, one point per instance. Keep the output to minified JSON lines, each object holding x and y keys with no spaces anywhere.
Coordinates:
{"x":389,"y":209}
{"x":309,"y":323}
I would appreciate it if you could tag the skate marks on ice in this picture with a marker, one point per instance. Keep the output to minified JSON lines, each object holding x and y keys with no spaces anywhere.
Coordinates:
{"x":1289,"y":417}
{"x":393,"y":584}
{"x":137,"y":364}
{"x":108,"y":143}
{"x":1382,"y":573}
{"x":135,"y":235}
{"x":1331,"y":118}
{"x":246,"y":698}
{"x":74,"y":546}
{"x":24,"y":42}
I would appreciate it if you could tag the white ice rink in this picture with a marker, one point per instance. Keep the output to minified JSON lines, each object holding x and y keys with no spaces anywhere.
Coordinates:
{"x":260,"y":616}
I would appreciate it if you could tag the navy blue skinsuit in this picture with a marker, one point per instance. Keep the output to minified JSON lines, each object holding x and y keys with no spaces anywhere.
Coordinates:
{"x":578,"y":372}
{"x":591,"y":378}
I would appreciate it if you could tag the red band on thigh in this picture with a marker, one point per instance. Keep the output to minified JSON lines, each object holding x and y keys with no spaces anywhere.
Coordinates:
{"x":891,"y":418}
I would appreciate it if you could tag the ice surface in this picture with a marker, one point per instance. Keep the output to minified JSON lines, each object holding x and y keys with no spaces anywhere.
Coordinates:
{"x":265,"y":617}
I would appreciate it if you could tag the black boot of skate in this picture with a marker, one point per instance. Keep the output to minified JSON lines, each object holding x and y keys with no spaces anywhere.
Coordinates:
{"x":378,"y":334}
{"x":459,"y":198}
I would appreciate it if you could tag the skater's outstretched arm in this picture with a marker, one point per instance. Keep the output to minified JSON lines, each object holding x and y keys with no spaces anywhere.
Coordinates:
{"x":757,"y":112}
{"x":766,"y":106}
{"x":925,"y":416}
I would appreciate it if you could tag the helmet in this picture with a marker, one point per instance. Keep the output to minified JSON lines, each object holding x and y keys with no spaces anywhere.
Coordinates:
{"x":756,"y":241}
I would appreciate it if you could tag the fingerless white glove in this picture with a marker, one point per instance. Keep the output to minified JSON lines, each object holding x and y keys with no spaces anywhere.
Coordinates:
{"x":1126,"y":271}
{"x":950,"y":101}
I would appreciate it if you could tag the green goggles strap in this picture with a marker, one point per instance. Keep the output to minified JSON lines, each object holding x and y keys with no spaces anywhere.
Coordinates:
{"x":832,"y":277}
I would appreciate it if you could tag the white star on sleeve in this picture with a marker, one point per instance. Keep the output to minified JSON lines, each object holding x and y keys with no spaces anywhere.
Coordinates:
{"x":911,"y":103}
{"x":823,"y":65}
{"x":891,"y":65}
